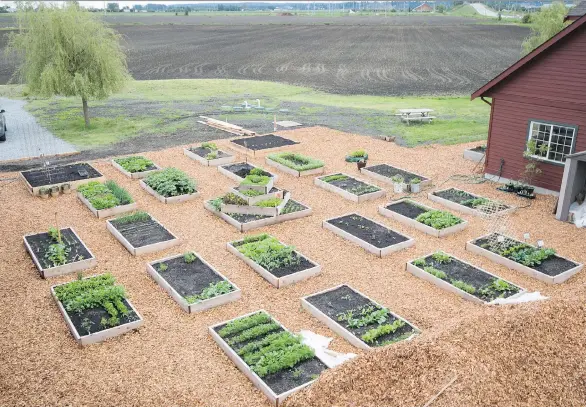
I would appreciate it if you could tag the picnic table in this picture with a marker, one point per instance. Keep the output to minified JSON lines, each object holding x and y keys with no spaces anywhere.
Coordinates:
{"x":419,"y":115}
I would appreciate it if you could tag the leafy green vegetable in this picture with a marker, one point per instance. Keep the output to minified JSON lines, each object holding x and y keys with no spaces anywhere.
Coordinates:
{"x":171,"y":182}
{"x":295,"y":161}
{"x":135,"y":163}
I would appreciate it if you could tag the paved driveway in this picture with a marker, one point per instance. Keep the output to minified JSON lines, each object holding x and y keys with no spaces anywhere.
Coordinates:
{"x":25,"y":138}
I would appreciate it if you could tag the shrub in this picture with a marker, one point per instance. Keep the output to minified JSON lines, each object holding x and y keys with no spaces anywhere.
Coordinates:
{"x":297,"y":162}
{"x":526,"y":19}
{"x":134,"y":164}
{"x":170,"y":182}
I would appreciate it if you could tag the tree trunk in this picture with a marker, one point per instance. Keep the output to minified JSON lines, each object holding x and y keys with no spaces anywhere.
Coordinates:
{"x":86,"y":112}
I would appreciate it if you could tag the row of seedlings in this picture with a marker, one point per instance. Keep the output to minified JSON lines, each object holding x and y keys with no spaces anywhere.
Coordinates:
{"x":267,"y":143}
{"x":539,"y":262}
{"x":462,"y":278}
{"x":295,"y":164}
{"x":192,"y":282}
{"x":275,"y":360}
{"x":423,"y":218}
{"x":468,"y":203}
{"x":276,"y":262}
{"x":209,"y":154}
{"x":60,"y":178}
{"x":349,"y":187}
{"x":372,"y":236}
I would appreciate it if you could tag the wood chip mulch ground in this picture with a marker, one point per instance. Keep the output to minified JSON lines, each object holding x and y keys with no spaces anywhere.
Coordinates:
{"x":525,"y":355}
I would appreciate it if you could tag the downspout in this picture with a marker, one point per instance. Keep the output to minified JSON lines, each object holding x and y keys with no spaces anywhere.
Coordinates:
{"x":485,"y":101}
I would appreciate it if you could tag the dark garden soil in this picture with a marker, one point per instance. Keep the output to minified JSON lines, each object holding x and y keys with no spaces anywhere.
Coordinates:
{"x":552,"y":266}
{"x":354,"y":186}
{"x":343,"y":299}
{"x":407,"y":208}
{"x":56,"y":175}
{"x":285,"y":380}
{"x":389,"y":172}
{"x":264,"y":142}
{"x":457,"y":270}
{"x":187,"y":278}
{"x":143,"y":233}
{"x":454,"y":195}
{"x":94,"y":316}
{"x":479,"y":149}
{"x":365,"y":229}
{"x":291,"y":207}
{"x":40,"y":243}
{"x":202,"y":152}
{"x":243,"y":169}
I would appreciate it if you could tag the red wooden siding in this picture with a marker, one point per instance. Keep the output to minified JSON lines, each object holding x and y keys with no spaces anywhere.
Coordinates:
{"x":550,"y":88}
{"x":508,"y":137}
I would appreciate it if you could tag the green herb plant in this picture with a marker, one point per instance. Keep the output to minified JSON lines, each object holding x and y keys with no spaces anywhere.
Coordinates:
{"x":268,"y":252}
{"x":171,"y":182}
{"x":438,"y":219}
{"x":135,"y":163}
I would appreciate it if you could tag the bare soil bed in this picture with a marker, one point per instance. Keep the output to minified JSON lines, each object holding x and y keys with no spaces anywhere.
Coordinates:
{"x":173,"y":357}
{"x":346,"y":55}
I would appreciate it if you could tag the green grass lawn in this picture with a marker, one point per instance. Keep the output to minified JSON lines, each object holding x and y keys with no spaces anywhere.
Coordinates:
{"x":458,"y":119}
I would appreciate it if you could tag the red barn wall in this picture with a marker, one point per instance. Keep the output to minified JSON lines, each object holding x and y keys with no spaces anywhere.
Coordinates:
{"x":550,"y":88}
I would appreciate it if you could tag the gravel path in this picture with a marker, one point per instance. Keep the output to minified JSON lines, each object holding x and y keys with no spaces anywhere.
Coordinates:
{"x":172,"y":360}
{"x":25,"y":138}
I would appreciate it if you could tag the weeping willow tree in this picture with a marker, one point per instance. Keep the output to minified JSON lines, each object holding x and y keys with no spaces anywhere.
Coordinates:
{"x":67,"y":51}
{"x":544,"y":25}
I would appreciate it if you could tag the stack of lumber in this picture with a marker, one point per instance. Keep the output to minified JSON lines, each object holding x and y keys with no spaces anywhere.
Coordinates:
{"x":225,"y":126}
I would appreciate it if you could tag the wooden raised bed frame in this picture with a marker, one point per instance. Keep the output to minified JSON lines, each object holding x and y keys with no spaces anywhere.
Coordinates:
{"x":278,"y":282}
{"x":275,"y":399}
{"x":105,"y":213}
{"x":257,"y":210}
{"x":513,"y":265}
{"x":418,"y":225}
{"x":73,"y":184}
{"x":387,"y":180}
{"x":150,"y":248}
{"x":380,"y":252}
{"x":171,"y":199}
{"x":97,"y":336}
{"x":339,"y":329}
{"x":417,"y":272}
{"x":210,"y":163}
{"x":348,"y":195}
{"x":195,"y":307}
{"x":292,"y":171}
{"x":464,"y":209}
{"x":66,"y":268}
{"x":238,"y":179}
{"x":135,"y":175}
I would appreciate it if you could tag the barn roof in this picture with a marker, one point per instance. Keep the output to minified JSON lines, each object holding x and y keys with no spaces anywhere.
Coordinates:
{"x":543,"y":48}
{"x":577,"y":12}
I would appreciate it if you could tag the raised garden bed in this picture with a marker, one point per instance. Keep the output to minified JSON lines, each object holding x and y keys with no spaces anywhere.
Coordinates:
{"x":428,"y":220}
{"x":208,"y":154}
{"x":170,"y":186}
{"x":262,"y":144}
{"x":58,"y":252}
{"x":385,"y":173}
{"x":279,"y":264}
{"x":252,"y":197}
{"x":368,"y":234}
{"x":135,"y":167}
{"x":242,"y":222}
{"x":349,"y":187}
{"x":291,"y":365}
{"x":358,"y":319}
{"x":540,"y":263}
{"x":295,"y":164}
{"x":72,"y":174}
{"x":192,"y":282}
{"x":468,"y":203}
{"x":239,"y":171}
{"x":475,"y":154}
{"x":140,"y":233}
{"x":462,"y":278}
{"x":95,"y":309}
{"x":105,"y":199}
{"x":232,"y":203}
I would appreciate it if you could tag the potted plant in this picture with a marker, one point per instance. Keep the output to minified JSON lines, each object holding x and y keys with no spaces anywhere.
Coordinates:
{"x":55,"y":190}
{"x":415,"y":185}
{"x":355,"y":156}
{"x":398,"y":183}
{"x":66,"y":188}
{"x":44,"y":192}
{"x":361,"y":164}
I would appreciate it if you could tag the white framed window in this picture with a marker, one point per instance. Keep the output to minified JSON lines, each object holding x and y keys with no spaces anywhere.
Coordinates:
{"x":552,"y":142}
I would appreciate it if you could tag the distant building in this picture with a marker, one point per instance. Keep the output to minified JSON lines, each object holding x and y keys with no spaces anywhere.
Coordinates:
{"x":423,"y":8}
